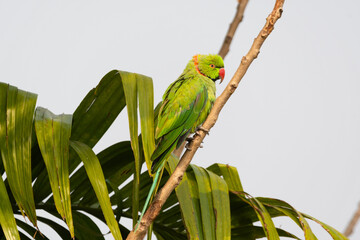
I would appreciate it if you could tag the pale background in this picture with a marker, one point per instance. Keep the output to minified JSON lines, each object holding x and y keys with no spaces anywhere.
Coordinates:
{"x":293,"y":126}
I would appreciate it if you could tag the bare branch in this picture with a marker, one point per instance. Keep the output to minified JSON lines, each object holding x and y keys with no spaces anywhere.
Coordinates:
{"x":350,"y":228}
{"x":176,"y":177}
{"x":232,"y":28}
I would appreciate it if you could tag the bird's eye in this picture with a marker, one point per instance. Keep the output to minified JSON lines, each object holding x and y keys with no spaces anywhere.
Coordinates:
{"x":212,"y":65}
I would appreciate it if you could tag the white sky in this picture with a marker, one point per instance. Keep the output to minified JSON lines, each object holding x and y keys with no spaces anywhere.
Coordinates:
{"x":293,"y":126}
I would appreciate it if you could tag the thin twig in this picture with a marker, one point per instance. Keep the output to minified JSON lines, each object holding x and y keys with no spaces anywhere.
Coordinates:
{"x":175,"y":178}
{"x":232,"y":28}
{"x":350,"y":228}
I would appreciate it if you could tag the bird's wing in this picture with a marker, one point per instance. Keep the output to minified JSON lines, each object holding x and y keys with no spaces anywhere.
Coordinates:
{"x":181,"y":107}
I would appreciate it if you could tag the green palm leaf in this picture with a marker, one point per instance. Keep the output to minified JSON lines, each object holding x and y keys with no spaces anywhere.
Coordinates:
{"x":16,"y":116}
{"x":291,"y":212}
{"x":221,"y":206}
{"x":335,"y":234}
{"x":96,"y":177}
{"x":130,"y":89}
{"x":188,"y":196}
{"x":135,"y":86}
{"x":53,"y":134}
{"x":204,"y":202}
{"x":7,"y":219}
{"x":262,"y":213}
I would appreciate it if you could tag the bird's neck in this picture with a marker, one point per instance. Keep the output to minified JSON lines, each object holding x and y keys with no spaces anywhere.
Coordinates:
{"x":196,"y":64}
{"x":192,"y":68}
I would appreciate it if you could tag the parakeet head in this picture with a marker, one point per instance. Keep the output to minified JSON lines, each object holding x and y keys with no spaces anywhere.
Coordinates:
{"x":211,"y":66}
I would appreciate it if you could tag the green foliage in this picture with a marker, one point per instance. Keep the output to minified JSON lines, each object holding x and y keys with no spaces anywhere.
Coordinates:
{"x":42,"y":148}
{"x":17,"y":110}
{"x":53,"y":135}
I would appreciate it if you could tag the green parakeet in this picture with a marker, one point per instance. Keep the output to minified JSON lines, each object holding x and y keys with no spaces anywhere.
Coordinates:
{"x":186,"y":104}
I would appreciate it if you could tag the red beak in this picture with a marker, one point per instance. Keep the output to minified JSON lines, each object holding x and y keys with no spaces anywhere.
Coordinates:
{"x":221,"y":74}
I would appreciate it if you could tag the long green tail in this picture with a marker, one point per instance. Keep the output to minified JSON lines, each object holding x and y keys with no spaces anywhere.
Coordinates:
{"x":150,"y":194}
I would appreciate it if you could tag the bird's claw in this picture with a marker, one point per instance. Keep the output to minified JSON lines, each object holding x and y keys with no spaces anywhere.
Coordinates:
{"x":203,"y":129}
{"x":190,"y":139}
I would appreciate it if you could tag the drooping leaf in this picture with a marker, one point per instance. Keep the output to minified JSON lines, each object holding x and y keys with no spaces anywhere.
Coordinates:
{"x":206,"y":202}
{"x":96,"y":177}
{"x":138,"y":90}
{"x":130,"y":90}
{"x":53,"y":134}
{"x":16,"y":116}
{"x":146,"y":110}
{"x":221,"y":206}
{"x":335,"y":234}
{"x":291,"y":212}
{"x":257,"y":209}
{"x":117,"y":162}
{"x":299,"y":218}
{"x":262,"y":213}
{"x":7,"y":220}
{"x":230,"y":175}
{"x":91,"y":120}
{"x":188,"y":196}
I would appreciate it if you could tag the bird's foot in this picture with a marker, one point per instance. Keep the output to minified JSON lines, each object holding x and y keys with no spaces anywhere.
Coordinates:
{"x":189,"y":140}
{"x":203,"y":129}
{"x":187,"y":146}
